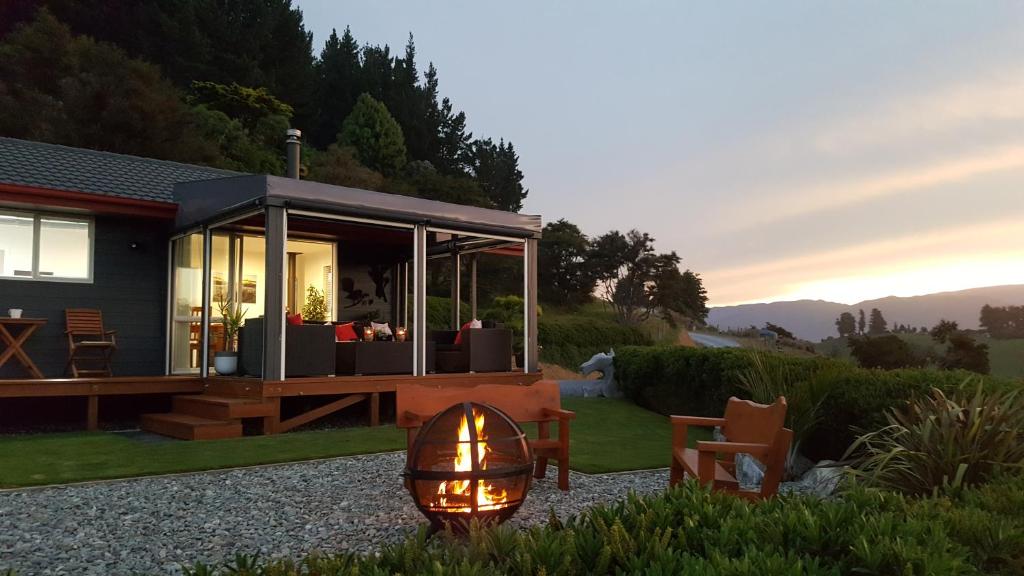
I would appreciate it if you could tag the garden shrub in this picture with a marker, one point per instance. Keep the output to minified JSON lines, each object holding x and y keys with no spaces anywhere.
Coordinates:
{"x":699,"y":381}
{"x":942,"y":442}
{"x":570,"y":340}
{"x":689,"y":531}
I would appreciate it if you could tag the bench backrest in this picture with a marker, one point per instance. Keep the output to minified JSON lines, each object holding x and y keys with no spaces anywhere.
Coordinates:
{"x":521,"y":403}
{"x":84,"y":322}
{"x":747,"y":421}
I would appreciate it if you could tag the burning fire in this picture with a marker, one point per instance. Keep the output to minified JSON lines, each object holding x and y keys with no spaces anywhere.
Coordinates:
{"x":487,"y":496}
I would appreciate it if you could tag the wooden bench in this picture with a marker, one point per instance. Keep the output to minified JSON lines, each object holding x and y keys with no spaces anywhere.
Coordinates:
{"x":539,"y":402}
{"x":749,"y":428}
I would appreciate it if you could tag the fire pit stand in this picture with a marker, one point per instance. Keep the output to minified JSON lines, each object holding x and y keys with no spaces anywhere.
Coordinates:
{"x":470,"y":461}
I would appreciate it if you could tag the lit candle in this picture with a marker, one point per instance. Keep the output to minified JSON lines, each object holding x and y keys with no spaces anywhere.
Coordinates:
{"x":400,"y":333}
{"x":368,"y":333}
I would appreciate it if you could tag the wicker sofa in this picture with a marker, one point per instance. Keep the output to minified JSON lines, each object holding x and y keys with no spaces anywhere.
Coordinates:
{"x":309,"y":349}
{"x":479,"y":350}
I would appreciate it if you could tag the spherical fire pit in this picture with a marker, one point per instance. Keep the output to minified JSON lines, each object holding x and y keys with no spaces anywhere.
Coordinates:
{"x":469,"y":461}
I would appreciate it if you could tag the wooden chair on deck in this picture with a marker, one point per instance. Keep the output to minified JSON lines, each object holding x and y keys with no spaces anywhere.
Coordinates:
{"x":88,"y":342}
{"x":749,"y":428}
{"x":539,"y":402}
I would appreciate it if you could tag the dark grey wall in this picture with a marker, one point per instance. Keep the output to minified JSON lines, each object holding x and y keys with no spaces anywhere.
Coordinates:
{"x":129,"y":286}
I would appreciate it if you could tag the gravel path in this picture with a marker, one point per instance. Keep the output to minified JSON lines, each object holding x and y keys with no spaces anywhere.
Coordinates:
{"x":152,"y":525}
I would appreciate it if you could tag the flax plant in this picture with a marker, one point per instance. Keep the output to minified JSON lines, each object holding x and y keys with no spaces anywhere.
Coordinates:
{"x":768,"y":378}
{"x":941,"y":443}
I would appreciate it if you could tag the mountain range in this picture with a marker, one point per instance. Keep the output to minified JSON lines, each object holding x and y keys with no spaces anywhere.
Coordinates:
{"x":815,"y":319}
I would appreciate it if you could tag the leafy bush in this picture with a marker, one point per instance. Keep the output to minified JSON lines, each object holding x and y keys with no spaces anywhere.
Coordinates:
{"x":689,"y":531}
{"x":887,"y":352}
{"x":698,"y":381}
{"x":771,"y":376}
{"x":941,"y":442}
{"x":439,"y":311}
{"x":315,"y":308}
{"x":570,"y":340}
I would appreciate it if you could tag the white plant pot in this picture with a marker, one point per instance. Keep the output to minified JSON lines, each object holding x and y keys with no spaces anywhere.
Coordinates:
{"x":225,"y":363}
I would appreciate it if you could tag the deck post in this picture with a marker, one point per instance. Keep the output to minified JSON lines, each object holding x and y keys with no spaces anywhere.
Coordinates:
{"x":274,"y":331}
{"x":92,"y":413}
{"x":530,"y":349}
{"x":456,"y":295}
{"x":472,"y":286}
{"x":419,"y":288}
{"x":204,"y":351}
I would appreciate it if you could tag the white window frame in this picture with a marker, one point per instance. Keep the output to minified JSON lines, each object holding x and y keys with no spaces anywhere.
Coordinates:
{"x":37,"y":218}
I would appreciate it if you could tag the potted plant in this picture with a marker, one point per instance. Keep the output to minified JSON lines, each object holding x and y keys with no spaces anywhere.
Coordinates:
{"x":232,"y":316}
{"x":315,"y":309}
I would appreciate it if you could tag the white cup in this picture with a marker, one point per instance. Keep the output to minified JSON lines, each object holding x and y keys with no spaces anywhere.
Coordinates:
{"x":15,"y":312}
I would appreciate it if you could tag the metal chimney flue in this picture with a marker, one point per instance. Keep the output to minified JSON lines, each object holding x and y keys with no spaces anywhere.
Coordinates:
{"x":293,"y":144}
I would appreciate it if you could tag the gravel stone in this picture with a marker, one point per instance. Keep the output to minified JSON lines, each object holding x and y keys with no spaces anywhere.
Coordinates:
{"x":154,"y":525}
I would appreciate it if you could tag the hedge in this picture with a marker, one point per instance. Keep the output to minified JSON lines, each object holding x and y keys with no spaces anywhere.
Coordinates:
{"x":689,"y":531}
{"x":570,"y":340}
{"x":698,"y":381}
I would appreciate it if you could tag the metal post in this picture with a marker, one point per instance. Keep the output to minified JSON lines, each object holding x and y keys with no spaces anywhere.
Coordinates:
{"x":472,"y":287}
{"x":204,"y":352}
{"x":419,"y":287}
{"x":456,"y":288}
{"x":274,"y":320}
{"x":531,"y":360}
{"x":405,"y":294}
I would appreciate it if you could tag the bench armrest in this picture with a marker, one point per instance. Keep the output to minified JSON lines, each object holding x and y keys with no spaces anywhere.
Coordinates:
{"x":733,"y":447}
{"x":696,"y":421}
{"x":559,"y":413}
{"x":414,"y":419}
{"x":110,"y":332}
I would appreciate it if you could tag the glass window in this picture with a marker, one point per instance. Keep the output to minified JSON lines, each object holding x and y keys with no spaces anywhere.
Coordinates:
{"x":64,"y":248}
{"x":16,"y":245}
{"x":45,"y":246}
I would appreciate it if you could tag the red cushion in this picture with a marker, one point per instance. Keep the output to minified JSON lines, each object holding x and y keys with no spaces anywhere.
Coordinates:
{"x":458,"y":337}
{"x":295,"y":319}
{"x":345,"y":333}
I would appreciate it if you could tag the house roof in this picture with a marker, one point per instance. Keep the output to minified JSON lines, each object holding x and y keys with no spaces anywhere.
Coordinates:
{"x":56,"y":167}
{"x":212,"y":200}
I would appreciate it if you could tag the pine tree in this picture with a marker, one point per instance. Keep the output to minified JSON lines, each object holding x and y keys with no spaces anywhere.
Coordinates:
{"x":877,"y":324}
{"x":846,"y":325}
{"x":496,"y":167}
{"x":375,"y":135}
{"x":338,"y":72}
{"x":860,"y":321}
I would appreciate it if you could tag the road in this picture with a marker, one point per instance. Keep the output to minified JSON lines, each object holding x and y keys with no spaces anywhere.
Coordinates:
{"x":709,"y":341}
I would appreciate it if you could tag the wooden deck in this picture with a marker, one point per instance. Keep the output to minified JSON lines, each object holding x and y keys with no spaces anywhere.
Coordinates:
{"x":215,"y":407}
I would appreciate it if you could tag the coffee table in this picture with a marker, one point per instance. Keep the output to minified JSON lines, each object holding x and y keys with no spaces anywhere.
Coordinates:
{"x":15,"y":344}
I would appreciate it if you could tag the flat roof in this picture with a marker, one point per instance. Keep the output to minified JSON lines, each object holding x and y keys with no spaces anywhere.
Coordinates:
{"x":207,"y":201}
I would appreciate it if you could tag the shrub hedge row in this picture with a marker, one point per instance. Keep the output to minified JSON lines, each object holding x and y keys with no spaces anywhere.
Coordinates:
{"x":688,"y":531}
{"x":698,"y":381}
{"x":570,"y":340}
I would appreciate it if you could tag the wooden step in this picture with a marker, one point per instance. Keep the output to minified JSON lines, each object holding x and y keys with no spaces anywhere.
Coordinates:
{"x":189,"y":427}
{"x":222,"y":407}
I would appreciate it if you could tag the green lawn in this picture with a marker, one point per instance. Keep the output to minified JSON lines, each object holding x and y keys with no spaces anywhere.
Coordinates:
{"x":608,"y":435}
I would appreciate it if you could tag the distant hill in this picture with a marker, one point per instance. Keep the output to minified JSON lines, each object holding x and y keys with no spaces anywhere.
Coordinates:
{"x":815,"y":319}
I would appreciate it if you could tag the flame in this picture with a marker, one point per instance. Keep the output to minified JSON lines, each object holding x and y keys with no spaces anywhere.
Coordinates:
{"x":487,"y":496}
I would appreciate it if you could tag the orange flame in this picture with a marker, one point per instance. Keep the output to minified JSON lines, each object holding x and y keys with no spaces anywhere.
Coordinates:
{"x":487,"y":496}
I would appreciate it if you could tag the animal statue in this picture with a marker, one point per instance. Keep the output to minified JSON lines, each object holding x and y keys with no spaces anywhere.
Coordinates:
{"x":603,"y":363}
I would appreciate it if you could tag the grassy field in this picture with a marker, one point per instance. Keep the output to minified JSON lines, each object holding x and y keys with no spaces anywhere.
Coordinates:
{"x":607,"y":436}
{"x":1005,"y":356}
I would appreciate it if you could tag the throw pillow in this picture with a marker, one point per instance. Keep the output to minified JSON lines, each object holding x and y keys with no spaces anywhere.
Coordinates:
{"x":295,"y":319}
{"x":381,"y":328}
{"x":345,"y":333}
{"x":467,"y":326}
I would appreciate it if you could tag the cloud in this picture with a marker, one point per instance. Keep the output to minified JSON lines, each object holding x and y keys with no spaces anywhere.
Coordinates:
{"x":974,"y":255}
{"x":996,"y":98}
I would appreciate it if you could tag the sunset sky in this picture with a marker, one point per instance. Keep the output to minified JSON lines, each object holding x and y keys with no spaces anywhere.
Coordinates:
{"x":784,"y":150}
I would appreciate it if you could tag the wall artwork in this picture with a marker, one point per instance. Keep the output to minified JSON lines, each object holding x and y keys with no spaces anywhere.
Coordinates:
{"x":249,"y":289}
{"x":220,"y":288}
{"x":365,"y":292}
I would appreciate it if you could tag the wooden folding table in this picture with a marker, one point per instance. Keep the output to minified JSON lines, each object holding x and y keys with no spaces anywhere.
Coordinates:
{"x":14,"y":343}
